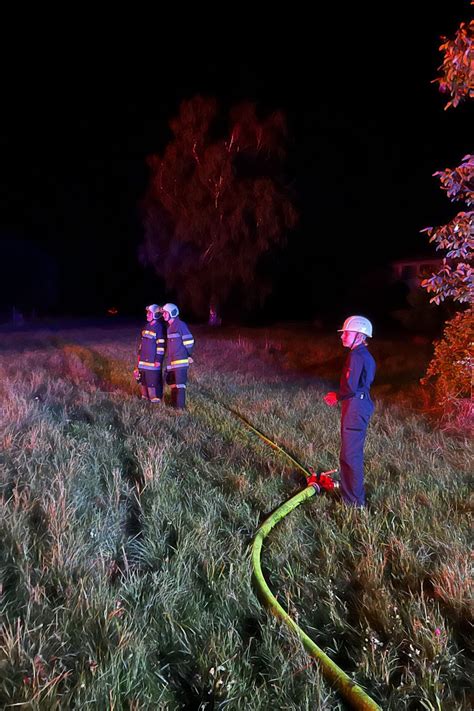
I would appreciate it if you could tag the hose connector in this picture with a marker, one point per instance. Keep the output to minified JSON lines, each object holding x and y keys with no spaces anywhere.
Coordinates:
{"x":322,"y":480}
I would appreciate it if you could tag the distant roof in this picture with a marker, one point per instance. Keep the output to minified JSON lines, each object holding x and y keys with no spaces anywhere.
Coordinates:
{"x":416,"y":260}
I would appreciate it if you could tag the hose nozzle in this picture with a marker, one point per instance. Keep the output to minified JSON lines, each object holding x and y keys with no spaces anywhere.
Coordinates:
{"x":322,"y":480}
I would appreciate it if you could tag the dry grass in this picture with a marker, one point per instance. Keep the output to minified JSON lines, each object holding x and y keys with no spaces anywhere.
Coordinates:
{"x":125,"y":573}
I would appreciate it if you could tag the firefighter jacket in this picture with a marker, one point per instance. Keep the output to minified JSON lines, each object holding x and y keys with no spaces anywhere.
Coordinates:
{"x":151,"y":351}
{"x":357,"y":375}
{"x":179,"y":345}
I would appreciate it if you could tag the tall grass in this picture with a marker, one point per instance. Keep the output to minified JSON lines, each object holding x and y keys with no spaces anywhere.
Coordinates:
{"x":125,"y":532}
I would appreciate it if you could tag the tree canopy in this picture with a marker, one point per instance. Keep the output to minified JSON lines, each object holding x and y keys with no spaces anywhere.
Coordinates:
{"x":455,"y":277}
{"x":452,"y":364}
{"x":216,"y":202}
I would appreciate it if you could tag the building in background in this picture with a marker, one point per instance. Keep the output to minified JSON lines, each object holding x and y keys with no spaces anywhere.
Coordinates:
{"x":412,"y":271}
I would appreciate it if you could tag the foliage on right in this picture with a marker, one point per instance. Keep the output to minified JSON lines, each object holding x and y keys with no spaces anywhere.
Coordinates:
{"x":452,"y":364}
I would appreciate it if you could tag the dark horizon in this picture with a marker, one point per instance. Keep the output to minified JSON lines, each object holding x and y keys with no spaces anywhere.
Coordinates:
{"x":367,"y":130}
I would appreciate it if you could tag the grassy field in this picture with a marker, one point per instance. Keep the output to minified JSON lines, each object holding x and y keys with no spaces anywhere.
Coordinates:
{"x":125,"y":531}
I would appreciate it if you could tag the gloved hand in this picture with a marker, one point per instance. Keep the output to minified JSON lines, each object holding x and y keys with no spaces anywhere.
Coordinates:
{"x":137,"y":375}
{"x":330,"y":399}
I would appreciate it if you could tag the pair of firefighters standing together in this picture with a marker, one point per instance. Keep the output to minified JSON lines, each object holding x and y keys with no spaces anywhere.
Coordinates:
{"x":358,"y":373}
{"x":164,"y":335}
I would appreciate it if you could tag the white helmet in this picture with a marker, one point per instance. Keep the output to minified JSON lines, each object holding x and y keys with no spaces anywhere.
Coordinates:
{"x":154,"y":308}
{"x":359,"y":324}
{"x":172,"y":309}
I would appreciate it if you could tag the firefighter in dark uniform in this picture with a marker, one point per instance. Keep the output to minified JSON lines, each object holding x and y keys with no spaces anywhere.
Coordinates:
{"x":356,"y":406}
{"x":151,"y":353}
{"x":179,"y":346}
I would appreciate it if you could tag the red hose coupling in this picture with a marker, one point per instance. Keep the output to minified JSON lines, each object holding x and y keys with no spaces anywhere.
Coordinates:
{"x":323,"y":480}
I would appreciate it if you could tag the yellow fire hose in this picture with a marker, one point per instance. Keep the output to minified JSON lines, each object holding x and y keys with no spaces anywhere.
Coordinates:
{"x":353,"y":693}
{"x":272,"y":444}
{"x":348,"y":688}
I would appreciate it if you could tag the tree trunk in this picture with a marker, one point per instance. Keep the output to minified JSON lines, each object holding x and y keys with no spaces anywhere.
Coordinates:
{"x":214,"y":318}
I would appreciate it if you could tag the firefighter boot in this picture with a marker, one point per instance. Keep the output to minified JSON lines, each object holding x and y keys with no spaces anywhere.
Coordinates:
{"x":153,"y":396}
{"x":178,"y":396}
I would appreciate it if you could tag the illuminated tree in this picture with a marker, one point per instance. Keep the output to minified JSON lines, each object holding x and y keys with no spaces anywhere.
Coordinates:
{"x":216,"y":202}
{"x":452,"y":365}
{"x":455,"y":278}
{"x":457,"y":68}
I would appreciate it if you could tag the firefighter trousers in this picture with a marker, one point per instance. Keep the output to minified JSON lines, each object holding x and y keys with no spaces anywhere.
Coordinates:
{"x":356,"y":413}
{"x":151,"y":385}
{"x":177,"y":379}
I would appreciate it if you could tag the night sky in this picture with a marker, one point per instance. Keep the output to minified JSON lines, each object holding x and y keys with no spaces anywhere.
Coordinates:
{"x":366,"y":131}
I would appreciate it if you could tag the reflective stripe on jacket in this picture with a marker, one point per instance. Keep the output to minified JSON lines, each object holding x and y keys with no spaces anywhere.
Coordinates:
{"x":152,"y":346}
{"x":180,"y":343}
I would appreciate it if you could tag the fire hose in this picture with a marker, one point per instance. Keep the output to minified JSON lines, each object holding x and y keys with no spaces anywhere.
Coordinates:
{"x":353,"y":693}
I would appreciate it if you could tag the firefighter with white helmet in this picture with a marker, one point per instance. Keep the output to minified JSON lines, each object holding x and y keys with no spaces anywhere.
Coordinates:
{"x":356,"y":406}
{"x":151,"y":353}
{"x":180,"y":343}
